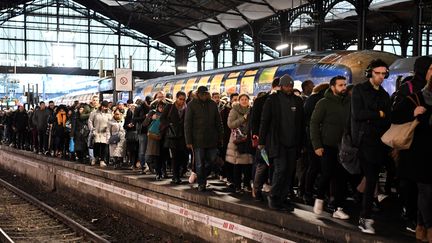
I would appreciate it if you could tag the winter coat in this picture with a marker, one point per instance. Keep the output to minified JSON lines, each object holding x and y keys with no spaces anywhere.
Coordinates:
{"x":153,"y":146}
{"x":40,"y":119}
{"x":20,"y":121}
{"x":271,"y":120}
{"x":139,"y":117}
{"x":309,"y":107}
{"x":415,"y":163}
{"x":256,"y":112}
{"x":329,"y":120}
{"x":203,"y":125}
{"x":170,"y":115}
{"x":366,"y":124}
{"x":98,"y":125}
{"x":114,"y":128}
{"x":224,"y":113}
{"x":80,"y":132}
{"x":235,"y":120}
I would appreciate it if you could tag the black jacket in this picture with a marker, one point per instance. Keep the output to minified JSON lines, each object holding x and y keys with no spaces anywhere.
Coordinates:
{"x":269,"y":134}
{"x":20,"y":120}
{"x":309,"y":107}
{"x":367,"y":126}
{"x":415,"y":163}
{"x":170,"y":115}
{"x":203,"y":125}
{"x":256,"y":113}
{"x":139,"y":117}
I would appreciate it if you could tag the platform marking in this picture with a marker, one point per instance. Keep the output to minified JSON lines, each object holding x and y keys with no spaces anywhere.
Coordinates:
{"x":223,"y":224}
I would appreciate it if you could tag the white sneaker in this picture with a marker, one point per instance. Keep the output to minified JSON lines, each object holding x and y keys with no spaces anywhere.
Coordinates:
{"x":340,"y":214}
{"x":102,"y":164}
{"x":318,"y":206}
{"x":93,"y":161}
{"x":366,"y":226}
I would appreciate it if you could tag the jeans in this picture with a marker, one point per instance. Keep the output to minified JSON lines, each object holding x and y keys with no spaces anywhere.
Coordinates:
{"x":332,"y":171}
{"x":284,"y":169}
{"x":142,"y":141}
{"x":178,"y":160}
{"x":371,"y":159}
{"x":43,"y":140}
{"x":262,"y":170}
{"x":314,"y":168}
{"x":425,"y":204}
{"x":203,"y":158}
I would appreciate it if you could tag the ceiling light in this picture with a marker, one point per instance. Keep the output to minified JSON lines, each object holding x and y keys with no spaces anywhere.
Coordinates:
{"x":282,"y":46}
{"x":300,"y":47}
{"x":183,"y":68}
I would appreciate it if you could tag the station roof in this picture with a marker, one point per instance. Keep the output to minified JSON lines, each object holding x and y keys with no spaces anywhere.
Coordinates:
{"x":183,"y":22}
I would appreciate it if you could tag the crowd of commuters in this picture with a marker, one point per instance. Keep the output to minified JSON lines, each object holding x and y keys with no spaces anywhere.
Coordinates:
{"x":279,"y":146}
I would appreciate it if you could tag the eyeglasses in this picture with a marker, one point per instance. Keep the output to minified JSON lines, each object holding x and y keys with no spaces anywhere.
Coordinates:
{"x":379,"y":73}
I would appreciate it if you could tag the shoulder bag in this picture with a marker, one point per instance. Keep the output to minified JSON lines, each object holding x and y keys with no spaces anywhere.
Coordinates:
{"x":400,"y":136}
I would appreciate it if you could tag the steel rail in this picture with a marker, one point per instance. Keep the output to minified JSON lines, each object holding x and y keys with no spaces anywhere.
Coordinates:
{"x":81,"y":230}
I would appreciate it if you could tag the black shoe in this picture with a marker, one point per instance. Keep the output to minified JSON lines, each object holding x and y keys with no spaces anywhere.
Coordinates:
{"x":275,"y":203}
{"x":258,"y":196}
{"x":158,"y":177}
{"x":202,"y":188}
{"x":308,"y":199}
{"x":176,"y":181}
{"x":287,"y":204}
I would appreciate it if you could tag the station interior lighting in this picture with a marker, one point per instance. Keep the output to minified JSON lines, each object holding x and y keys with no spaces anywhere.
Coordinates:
{"x":183,"y":68}
{"x":300,"y":47}
{"x":282,"y":46}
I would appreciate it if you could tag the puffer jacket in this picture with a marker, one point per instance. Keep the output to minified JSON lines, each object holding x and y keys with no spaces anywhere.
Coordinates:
{"x":116,"y":127}
{"x":98,"y":125}
{"x":235,"y":120}
{"x":329,"y":120}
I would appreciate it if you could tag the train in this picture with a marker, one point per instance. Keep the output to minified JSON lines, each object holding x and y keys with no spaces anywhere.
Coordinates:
{"x":257,"y":77}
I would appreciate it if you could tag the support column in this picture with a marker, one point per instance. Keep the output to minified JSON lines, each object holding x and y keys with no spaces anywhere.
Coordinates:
{"x":256,"y":38}
{"x":181,"y":58}
{"x":362,"y":9}
{"x":318,"y":18}
{"x":234,"y":37}
{"x":404,"y":40}
{"x":284,"y":31}
{"x":417,"y":29}
{"x":199,"y":46}
{"x":215,"y":46}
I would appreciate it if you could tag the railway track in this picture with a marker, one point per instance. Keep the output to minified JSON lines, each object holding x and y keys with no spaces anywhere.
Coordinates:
{"x":23,"y":218}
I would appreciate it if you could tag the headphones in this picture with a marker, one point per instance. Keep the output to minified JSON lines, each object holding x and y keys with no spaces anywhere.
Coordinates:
{"x":374,"y":64}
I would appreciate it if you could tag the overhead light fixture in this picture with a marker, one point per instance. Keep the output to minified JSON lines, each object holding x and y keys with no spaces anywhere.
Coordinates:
{"x":182,"y":68}
{"x":300,"y":47}
{"x":282,"y":46}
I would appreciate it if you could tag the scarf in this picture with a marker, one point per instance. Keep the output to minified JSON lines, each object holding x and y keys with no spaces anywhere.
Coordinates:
{"x":61,"y":118}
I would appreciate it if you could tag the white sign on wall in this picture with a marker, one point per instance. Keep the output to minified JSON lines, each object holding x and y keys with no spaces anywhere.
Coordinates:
{"x":123,"y":77}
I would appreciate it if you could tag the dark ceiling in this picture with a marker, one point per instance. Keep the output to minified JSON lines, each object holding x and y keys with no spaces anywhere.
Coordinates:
{"x":161,"y":18}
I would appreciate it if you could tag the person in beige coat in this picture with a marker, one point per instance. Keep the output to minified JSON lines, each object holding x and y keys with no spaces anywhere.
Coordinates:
{"x":115,"y":128}
{"x":240,"y":153}
{"x":98,"y":125}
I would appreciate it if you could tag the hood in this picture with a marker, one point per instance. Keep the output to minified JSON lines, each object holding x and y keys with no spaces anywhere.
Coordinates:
{"x":421,"y":67}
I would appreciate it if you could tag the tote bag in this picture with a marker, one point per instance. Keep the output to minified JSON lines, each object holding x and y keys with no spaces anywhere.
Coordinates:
{"x":400,"y":136}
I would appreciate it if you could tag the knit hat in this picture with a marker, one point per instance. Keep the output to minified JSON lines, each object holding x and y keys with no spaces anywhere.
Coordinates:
{"x":202,"y":90}
{"x":286,"y":80}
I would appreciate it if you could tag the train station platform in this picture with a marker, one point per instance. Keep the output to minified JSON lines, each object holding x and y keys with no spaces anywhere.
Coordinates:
{"x":217,"y":215}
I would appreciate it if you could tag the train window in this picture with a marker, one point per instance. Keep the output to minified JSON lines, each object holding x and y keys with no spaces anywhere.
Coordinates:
{"x":190,"y":85}
{"x":147,"y":90}
{"x":158,"y":87}
{"x":267,"y":75}
{"x":251,"y":72}
{"x":203,"y":81}
{"x":233,"y":75}
{"x":247,"y":85}
{"x":215,"y":85}
{"x":177,"y":87}
{"x":231,"y":85}
{"x":167,"y":88}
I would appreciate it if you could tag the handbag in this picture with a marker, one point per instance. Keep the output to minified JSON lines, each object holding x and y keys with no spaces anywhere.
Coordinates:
{"x":348,"y":154}
{"x":114,"y":139}
{"x":400,"y":136}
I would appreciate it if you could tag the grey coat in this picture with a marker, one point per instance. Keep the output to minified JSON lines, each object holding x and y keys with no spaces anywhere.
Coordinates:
{"x":98,"y":125}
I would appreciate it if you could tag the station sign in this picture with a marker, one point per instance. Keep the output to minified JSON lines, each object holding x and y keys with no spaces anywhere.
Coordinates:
{"x":123,"y":78}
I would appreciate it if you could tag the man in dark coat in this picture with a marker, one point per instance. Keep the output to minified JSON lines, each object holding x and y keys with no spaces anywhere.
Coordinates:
{"x":40,"y":120}
{"x":20,"y":125}
{"x":326,"y":128}
{"x":140,"y":114}
{"x":203,"y":133}
{"x":370,"y":119}
{"x":172,"y":123}
{"x":281,"y":134}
